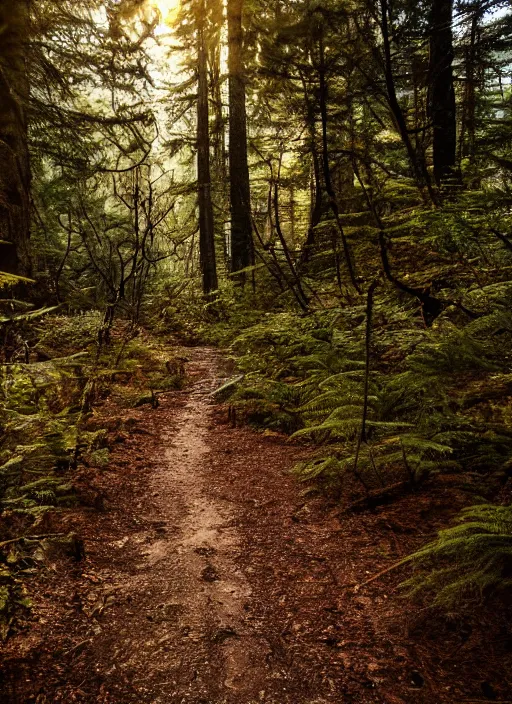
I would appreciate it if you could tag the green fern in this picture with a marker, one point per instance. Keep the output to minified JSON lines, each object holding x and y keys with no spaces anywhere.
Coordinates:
{"x":467,"y":561}
{"x":12,"y":279}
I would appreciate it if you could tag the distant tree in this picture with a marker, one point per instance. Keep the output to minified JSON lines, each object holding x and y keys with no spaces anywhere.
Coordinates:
{"x":204,"y":183}
{"x":86,"y":118}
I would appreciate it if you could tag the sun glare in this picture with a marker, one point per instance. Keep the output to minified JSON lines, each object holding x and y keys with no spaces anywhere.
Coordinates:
{"x":168,"y":10}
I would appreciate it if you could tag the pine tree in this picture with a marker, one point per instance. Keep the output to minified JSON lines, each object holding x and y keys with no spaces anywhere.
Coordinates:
{"x":442,"y":93}
{"x":240,"y":196}
{"x":204,"y":185}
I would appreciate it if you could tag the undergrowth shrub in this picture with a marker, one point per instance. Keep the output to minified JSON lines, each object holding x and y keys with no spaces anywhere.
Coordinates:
{"x":438,"y":401}
{"x":46,"y":399}
{"x":421,"y":419}
{"x":65,"y":334}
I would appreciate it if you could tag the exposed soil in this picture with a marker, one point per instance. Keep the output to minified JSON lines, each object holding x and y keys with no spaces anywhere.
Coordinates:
{"x":209,"y":579}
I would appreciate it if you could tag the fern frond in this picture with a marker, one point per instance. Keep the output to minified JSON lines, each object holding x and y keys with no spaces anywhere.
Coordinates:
{"x":479,"y":553}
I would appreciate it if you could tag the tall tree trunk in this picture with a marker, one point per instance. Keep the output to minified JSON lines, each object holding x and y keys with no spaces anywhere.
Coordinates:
{"x":204,"y":186}
{"x":333,"y":203}
{"x":241,"y":227}
{"x":219,"y":172}
{"x":291,"y":212}
{"x":468,"y":126}
{"x":316,"y":186}
{"x":442,"y":94}
{"x":14,"y":156}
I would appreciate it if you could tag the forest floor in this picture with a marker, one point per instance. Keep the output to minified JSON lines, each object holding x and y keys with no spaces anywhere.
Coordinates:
{"x":208,"y":578}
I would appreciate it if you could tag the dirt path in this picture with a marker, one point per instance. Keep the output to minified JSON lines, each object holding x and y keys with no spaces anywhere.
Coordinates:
{"x":209,"y":580}
{"x":190,"y":641}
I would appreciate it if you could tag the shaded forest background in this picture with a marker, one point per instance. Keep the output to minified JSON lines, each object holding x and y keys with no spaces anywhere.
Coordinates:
{"x":324,"y":187}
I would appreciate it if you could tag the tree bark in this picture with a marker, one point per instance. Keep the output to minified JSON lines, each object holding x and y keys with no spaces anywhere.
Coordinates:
{"x":316,"y":187}
{"x":14,"y":155}
{"x":204,"y":186}
{"x":240,"y":195}
{"x":219,"y":171}
{"x":416,"y":160}
{"x":442,"y":94}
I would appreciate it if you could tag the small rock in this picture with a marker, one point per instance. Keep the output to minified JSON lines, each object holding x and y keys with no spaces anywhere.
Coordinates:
{"x":210,"y":574}
{"x":206,"y":551}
